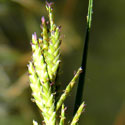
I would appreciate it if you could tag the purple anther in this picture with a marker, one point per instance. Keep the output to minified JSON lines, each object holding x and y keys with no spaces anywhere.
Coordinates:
{"x":43,"y":20}
{"x":49,"y":4}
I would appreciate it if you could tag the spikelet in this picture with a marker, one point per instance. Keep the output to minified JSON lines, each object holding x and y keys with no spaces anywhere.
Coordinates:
{"x":68,"y":89}
{"x":62,"y":119}
{"x":35,"y":86}
{"x":53,"y":55}
{"x":78,"y":114}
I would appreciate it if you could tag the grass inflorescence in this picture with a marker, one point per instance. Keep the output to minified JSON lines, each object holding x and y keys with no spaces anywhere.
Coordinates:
{"x":43,"y":71}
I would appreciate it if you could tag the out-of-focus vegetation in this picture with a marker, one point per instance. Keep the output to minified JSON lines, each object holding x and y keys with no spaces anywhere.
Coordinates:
{"x":104,"y":90}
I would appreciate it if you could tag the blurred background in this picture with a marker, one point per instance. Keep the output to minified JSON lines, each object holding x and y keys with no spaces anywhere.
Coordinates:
{"x":104,"y":91}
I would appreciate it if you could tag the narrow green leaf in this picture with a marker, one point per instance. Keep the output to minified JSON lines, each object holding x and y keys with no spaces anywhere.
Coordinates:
{"x":81,"y":82}
{"x":90,"y":11}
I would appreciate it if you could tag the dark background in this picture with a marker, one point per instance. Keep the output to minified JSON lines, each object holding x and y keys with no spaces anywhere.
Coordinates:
{"x":104,"y":91}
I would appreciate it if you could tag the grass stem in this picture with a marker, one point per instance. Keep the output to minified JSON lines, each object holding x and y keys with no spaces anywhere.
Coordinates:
{"x":81,"y":82}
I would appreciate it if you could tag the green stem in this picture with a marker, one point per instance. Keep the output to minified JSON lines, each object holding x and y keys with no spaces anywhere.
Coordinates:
{"x":81,"y":83}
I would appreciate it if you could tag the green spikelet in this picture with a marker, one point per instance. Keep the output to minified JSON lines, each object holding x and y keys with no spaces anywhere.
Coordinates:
{"x":78,"y":114}
{"x":35,"y":86}
{"x":62,"y":119}
{"x":45,"y":41}
{"x":68,"y":89}
{"x":50,"y":11}
{"x":54,"y":46}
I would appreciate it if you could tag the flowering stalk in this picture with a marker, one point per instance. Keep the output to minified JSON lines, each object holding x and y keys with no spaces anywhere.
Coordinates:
{"x":43,"y":72}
